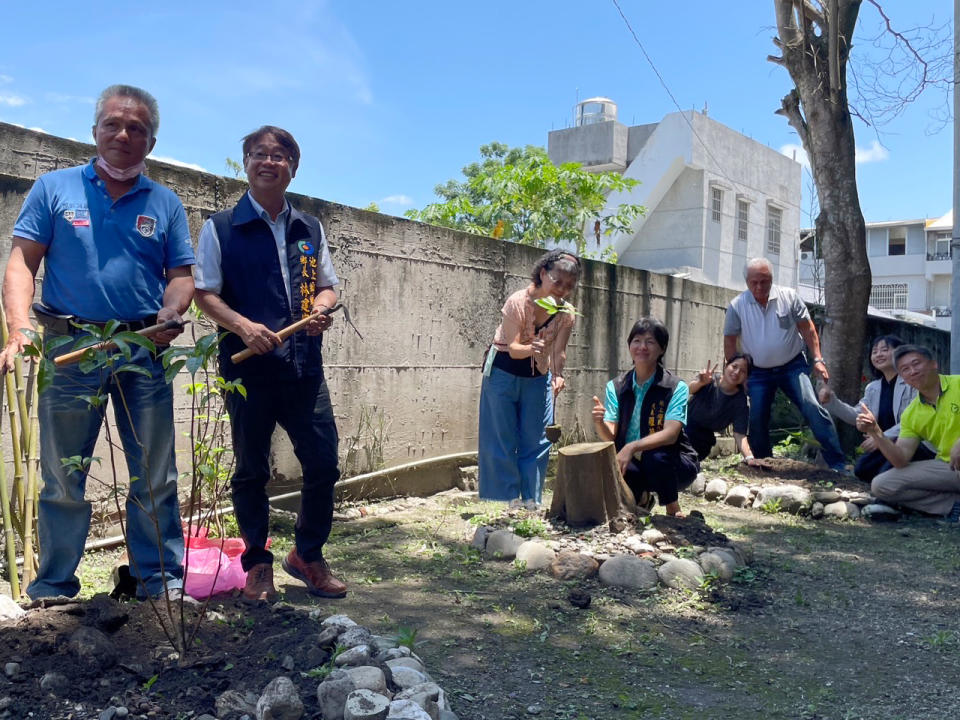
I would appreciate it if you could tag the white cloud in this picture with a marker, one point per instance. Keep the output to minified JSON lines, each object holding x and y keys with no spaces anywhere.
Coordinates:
{"x":179,"y":163}
{"x":63,"y":98}
{"x":5,"y":79}
{"x":12,"y":100}
{"x":875,"y":153}
{"x":797,"y":153}
{"x":397,"y":200}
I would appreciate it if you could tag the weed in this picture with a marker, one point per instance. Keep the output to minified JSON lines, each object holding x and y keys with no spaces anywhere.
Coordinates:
{"x":942,"y":640}
{"x":530,"y":526}
{"x":772,"y":506}
{"x":406,"y":637}
{"x":709,"y":582}
{"x":745,"y":576}
{"x":519,"y":567}
{"x":149,"y":683}
{"x":799,"y":599}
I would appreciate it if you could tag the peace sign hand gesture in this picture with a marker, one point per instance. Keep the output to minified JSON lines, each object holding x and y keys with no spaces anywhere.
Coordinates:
{"x":705,"y":376}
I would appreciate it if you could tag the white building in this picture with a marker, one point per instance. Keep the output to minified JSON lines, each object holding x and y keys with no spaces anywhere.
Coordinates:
{"x":714,"y":197}
{"x":910,"y":264}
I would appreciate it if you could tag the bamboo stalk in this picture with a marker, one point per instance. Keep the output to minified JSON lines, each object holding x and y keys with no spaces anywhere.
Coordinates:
{"x":16,"y":433}
{"x":8,"y":534}
{"x":30,"y":506}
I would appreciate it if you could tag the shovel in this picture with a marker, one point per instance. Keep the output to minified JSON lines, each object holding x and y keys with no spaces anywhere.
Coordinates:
{"x":289,"y":330}
{"x":553,"y":430}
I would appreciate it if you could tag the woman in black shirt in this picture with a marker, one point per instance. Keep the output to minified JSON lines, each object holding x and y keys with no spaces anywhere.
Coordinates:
{"x":716,"y":402}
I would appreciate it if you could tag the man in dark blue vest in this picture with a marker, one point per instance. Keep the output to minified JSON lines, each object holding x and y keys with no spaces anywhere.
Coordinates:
{"x":262,"y":266}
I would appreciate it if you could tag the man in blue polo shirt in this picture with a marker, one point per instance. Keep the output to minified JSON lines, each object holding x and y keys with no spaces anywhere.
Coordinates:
{"x":262,"y":265}
{"x":115,"y":246}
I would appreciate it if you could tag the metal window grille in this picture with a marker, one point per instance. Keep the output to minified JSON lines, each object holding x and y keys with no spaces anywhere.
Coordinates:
{"x":717,"y":204}
{"x":774,"y":220}
{"x":892,"y":296}
{"x":743,"y":219}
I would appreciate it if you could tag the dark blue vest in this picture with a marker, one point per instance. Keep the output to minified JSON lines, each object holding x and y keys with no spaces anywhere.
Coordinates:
{"x":253,"y":286}
{"x":652,"y":410}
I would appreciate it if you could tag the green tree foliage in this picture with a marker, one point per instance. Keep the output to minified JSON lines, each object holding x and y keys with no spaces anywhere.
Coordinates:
{"x":518,"y":194}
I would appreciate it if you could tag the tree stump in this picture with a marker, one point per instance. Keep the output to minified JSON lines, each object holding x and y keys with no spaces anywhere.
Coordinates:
{"x":589,"y":489}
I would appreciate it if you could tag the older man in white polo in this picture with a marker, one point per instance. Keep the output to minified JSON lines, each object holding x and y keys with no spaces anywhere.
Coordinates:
{"x":773,"y":325}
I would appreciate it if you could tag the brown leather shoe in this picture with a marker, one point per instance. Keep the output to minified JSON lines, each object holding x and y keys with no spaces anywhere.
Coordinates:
{"x":259,"y":585}
{"x":317,"y":576}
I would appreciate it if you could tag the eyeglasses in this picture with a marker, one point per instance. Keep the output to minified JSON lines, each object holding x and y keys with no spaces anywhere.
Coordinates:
{"x":263,"y":157}
{"x":568,"y":285}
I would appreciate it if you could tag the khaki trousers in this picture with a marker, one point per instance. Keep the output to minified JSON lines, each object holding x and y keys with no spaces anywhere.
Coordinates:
{"x":929,"y":486}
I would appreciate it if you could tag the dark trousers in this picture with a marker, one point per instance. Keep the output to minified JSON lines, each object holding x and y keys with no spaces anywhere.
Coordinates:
{"x":664,"y":471}
{"x":302,"y":408}
{"x":871,"y":464}
{"x":703,"y":439}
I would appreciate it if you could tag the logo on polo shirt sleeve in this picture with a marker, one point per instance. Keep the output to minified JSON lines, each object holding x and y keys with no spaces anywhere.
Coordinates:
{"x":146,"y":225}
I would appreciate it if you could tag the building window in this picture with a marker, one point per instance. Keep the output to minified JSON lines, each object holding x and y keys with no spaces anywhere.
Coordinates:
{"x":743,"y":219}
{"x":774,"y":221}
{"x":942,"y":247}
{"x":716,"y":204}
{"x":889,"y":297}
{"x":897,"y":241}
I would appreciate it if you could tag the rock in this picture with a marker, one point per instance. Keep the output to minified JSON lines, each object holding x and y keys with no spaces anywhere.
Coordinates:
{"x":205,"y":717}
{"x":55,"y":683}
{"x":534,"y":709}
{"x":503,"y":545}
{"x":11,"y":670}
{"x":698,"y":485}
{"x":570,"y":565}
{"x":9,"y":610}
{"x":447,"y":715}
{"x":724,"y":564}
{"x":862,"y":500}
{"x":536,"y":555}
{"x":368,"y":677}
{"x":340,"y":620}
{"x":328,"y":636}
{"x":280,"y":701}
{"x":359,"y":655}
{"x":365,"y":704}
{"x":354,"y":636}
{"x":681,"y":572}
{"x":382,"y":642}
{"x":406,"y":677}
{"x":480,"y":538}
{"x":467,"y":478}
{"x":816,"y":510}
{"x":739,"y":496}
{"x":635,"y":544}
{"x":628,"y":571}
{"x":841,"y":510}
{"x":406,"y":710}
{"x":406,"y":662}
{"x":108,"y":714}
{"x":825,"y":496}
{"x":332,"y":695}
{"x":880,"y":512}
{"x":716,"y":489}
{"x":394,"y":653}
{"x":430,"y":689}
{"x":92,"y":648}
{"x":652,"y":536}
{"x":287,"y":663}
{"x":793,"y":498}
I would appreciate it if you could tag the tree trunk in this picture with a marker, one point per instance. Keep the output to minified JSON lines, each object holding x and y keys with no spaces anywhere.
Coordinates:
{"x":589,"y":489}
{"x":815,"y":49}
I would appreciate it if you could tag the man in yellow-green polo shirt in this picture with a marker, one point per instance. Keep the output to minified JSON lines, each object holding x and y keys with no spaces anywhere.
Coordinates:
{"x":931,"y":486}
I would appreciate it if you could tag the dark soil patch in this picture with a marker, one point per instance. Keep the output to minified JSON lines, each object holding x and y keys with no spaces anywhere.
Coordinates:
{"x":796,"y":472}
{"x":235,"y":647}
{"x":690,"y":530}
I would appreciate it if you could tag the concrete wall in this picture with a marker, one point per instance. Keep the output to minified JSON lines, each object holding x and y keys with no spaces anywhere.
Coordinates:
{"x":427,"y":301}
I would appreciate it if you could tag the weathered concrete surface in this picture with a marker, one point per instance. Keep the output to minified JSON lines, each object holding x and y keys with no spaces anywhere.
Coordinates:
{"x":427,"y":301}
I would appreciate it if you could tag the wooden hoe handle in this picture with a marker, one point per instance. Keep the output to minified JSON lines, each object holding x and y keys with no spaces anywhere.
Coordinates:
{"x":286,"y":332}
{"x":72,"y":357}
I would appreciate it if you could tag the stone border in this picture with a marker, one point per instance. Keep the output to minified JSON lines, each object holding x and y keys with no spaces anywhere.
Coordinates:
{"x":645,"y":561}
{"x":794,"y":499}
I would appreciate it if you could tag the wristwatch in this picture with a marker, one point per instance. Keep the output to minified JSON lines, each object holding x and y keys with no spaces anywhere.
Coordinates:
{"x":818,"y":360}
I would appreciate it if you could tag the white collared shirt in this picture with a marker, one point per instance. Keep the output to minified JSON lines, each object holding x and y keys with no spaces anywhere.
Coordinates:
{"x":768,"y":333}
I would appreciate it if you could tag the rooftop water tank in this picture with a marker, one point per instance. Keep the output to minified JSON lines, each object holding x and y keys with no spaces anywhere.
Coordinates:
{"x":594,"y":110}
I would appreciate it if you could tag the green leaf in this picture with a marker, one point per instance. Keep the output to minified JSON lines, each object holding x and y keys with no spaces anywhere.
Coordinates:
{"x":170,"y":372}
{"x":134,"y":368}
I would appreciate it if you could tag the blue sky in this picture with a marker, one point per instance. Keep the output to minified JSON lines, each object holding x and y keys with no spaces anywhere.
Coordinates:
{"x":388,"y":99}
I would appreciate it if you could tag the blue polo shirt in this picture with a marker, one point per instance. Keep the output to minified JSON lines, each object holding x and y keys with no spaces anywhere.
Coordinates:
{"x":105,"y":259}
{"x":676,"y":409}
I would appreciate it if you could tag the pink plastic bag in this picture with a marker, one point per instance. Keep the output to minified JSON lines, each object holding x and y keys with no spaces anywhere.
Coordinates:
{"x":203,"y":557}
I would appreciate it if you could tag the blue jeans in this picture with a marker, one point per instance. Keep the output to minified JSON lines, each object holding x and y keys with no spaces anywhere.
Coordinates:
{"x":793,"y":379}
{"x":69,"y":427}
{"x":512,"y":445}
